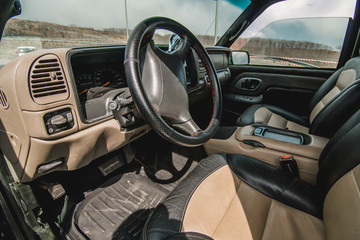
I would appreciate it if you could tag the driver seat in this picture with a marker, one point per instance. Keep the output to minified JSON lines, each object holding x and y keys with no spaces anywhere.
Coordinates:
{"x":335,"y":101}
{"x":238,"y":197}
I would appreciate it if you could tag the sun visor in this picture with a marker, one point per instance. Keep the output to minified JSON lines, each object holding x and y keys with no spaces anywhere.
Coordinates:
{"x":8,"y":9}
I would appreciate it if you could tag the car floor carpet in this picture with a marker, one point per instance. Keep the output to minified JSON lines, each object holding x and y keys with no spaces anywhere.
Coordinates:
{"x":119,"y":208}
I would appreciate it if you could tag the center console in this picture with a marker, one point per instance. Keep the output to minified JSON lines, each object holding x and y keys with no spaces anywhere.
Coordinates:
{"x":269,"y":144}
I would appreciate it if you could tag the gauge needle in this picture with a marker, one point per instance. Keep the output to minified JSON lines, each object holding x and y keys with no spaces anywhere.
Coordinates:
{"x":105,"y":84}
{"x":83,"y":91}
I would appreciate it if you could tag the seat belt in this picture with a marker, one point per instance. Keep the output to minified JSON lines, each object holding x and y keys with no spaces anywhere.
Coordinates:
{"x":289,"y":165}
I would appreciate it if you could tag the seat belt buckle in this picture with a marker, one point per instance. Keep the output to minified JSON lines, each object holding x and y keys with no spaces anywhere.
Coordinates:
{"x":288,"y":164}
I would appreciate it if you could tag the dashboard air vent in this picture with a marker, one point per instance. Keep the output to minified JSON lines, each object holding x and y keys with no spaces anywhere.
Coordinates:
{"x":47,"y":80}
{"x":4,"y":103}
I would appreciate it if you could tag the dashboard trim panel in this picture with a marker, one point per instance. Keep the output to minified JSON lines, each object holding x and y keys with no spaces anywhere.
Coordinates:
{"x":26,"y":143}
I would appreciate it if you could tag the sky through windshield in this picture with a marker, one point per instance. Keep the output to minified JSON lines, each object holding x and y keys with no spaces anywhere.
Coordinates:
{"x":198,"y":16}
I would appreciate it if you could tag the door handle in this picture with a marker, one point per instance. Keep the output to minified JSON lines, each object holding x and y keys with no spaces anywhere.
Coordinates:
{"x":248,"y":84}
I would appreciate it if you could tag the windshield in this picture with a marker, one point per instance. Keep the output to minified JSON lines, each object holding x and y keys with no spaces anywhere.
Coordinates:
{"x":53,"y":23}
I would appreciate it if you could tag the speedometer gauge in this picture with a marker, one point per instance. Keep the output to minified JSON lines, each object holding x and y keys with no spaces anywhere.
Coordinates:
{"x":83,"y":83}
{"x":108,"y":77}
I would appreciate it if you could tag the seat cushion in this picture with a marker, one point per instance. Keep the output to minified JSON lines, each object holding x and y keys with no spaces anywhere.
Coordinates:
{"x":235,"y":210}
{"x":273,"y":116}
{"x":214,"y":201}
{"x":342,"y":207}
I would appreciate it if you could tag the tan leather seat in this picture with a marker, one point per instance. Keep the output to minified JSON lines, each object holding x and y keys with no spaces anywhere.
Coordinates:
{"x":238,"y":211}
{"x":335,"y":101}
{"x":237,"y":197}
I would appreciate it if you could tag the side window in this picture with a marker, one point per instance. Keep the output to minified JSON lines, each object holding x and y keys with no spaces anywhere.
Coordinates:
{"x":304,"y":38}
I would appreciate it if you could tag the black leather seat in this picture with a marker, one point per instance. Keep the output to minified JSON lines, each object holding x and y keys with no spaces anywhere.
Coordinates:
{"x":335,"y":101}
{"x":237,"y":197}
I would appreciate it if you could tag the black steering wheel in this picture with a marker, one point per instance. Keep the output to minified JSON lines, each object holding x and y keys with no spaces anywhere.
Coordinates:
{"x":157,"y":82}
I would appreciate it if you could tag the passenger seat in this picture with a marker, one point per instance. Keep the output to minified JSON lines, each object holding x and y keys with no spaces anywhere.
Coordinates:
{"x":335,"y":102}
{"x":233,"y":196}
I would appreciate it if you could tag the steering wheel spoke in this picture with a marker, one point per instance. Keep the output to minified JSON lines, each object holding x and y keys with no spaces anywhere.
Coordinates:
{"x":184,"y":48}
{"x":189,"y":127}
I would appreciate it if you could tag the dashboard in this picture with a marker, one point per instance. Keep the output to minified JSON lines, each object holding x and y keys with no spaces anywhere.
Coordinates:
{"x":99,"y":72}
{"x":62,"y":108}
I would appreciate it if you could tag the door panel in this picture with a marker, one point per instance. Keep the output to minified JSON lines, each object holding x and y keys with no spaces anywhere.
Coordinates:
{"x":288,"y":88}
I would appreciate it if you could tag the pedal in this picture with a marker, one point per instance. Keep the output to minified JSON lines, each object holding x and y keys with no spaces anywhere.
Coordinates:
{"x":110,"y":166}
{"x":56,"y":191}
{"x":129,"y":153}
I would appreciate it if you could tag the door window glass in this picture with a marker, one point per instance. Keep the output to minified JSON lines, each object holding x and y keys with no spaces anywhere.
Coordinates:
{"x":298,"y":34}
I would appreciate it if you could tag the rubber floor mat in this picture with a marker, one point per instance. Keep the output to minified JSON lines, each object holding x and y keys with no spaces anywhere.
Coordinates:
{"x":118,"y":209}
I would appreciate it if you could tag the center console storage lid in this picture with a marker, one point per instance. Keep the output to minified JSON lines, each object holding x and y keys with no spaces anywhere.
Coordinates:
{"x":282,"y":135}
{"x":312,"y":149}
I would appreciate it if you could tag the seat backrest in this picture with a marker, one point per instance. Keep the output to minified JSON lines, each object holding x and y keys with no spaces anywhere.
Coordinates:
{"x":341,"y":153}
{"x":339,"y":179}
{"x":336,"y":100}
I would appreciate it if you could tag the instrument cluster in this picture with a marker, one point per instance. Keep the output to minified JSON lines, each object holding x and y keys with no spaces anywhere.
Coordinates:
{"x":98,"y":71}
{"x":105,"y":77}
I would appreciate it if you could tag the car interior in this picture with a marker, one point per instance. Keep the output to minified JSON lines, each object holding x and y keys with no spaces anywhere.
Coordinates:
{"x":178,"y":141}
